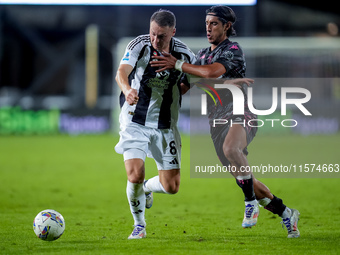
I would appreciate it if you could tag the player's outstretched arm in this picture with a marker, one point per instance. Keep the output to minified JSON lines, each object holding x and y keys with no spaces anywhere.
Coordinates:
{"x":167,"y":61}
{"x":122,"y":78}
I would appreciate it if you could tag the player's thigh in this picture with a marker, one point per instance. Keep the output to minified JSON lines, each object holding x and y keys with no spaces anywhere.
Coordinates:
{"x":233,"y":147}
{"x":165,"y":148}
{"x":133,"y":144}
{"x":236,"y":138}
{"x":133,"y":136}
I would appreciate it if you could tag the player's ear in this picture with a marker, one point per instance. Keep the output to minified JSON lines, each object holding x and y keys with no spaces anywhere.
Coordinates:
{"x":227,"y":26}
{"x":174,"y":32}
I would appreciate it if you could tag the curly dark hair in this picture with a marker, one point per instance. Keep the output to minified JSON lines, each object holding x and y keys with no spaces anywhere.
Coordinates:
{"x":225,"y":14}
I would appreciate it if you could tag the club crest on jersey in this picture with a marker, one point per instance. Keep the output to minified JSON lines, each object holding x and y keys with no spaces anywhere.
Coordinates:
{"x":159,"y":82}
{"x":228,"y":55}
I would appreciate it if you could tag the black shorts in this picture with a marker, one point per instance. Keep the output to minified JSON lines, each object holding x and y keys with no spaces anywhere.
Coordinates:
{"x":219,"y":133}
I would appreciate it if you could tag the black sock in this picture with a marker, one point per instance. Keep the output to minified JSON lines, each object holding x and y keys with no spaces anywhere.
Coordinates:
{"x":276,"y":206}
{"x":247,"y":187}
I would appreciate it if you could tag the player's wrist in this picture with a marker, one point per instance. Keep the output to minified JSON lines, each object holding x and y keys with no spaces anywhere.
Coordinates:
{"x":179,"y":64}
{"x":126,"y":89}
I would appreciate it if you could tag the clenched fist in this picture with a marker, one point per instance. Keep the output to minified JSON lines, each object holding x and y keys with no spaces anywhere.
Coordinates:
{"x":131,"y":96}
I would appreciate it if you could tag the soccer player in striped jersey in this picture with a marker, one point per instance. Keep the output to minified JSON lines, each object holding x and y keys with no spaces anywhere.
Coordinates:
{"x":150,"y":103}
{"x":225,"y":59}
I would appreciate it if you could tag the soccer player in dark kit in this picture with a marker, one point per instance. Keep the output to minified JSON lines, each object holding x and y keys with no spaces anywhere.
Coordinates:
{"x":225,"y":59}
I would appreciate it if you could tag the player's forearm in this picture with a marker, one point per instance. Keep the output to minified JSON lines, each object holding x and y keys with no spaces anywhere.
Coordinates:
{"x":204,"y":71}
{"x":199,"y":71}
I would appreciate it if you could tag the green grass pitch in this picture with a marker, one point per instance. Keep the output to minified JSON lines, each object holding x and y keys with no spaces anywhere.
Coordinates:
{"x":84,"y":179}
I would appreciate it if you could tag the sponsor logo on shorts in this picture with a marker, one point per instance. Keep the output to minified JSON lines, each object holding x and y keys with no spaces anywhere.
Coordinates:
{"x":174,"y":162}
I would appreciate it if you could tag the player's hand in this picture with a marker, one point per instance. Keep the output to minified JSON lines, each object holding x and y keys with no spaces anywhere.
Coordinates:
{"x":131,"y":96}
{"x":239,"y":82}
{"x":167,"y":61}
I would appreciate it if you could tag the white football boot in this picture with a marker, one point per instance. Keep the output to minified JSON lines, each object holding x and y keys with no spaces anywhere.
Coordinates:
{"x":291,"y":224}
{"x":138,"y":232}
{"x":250,"y":215}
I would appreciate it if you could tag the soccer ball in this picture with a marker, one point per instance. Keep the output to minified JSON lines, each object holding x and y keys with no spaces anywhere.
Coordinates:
{"x":49,"y":225}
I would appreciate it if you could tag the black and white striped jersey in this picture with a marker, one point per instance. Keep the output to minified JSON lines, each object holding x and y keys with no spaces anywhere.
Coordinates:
{"x":159,"y":93}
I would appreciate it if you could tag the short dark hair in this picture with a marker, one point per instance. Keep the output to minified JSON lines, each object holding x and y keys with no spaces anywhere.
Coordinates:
{"x":164,"y":18}
{"x":225,"y":14}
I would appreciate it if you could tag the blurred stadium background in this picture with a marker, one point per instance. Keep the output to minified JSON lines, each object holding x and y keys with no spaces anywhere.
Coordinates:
{"x":57,"y":68}
{"x":57,"y":62}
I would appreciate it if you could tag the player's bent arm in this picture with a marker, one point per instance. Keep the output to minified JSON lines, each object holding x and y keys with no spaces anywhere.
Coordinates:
{"x":168,"y":61}
{"x":122,"y":78}
{"x":214,"y":70}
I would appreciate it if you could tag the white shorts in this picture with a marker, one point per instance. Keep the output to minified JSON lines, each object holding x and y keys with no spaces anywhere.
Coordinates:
{"x":163,"y":145}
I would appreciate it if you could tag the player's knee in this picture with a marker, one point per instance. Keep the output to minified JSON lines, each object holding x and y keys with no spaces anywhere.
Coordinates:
{"x":172,"y":191}
{"x":136,"y":177}
{"x":231,"y":153}
{"x":135,"y":170}
{"x":172,"y":188}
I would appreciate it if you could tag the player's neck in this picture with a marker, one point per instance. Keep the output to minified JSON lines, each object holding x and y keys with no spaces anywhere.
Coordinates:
{"x":215,"y":45}
{"x":164,"y":49}
{"x":167,"y":48}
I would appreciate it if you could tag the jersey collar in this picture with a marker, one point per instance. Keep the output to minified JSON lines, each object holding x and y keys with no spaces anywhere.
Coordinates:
{"x":226,"y":41}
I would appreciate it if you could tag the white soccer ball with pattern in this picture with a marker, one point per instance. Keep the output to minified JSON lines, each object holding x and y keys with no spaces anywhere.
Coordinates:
{"x":49,"y":225}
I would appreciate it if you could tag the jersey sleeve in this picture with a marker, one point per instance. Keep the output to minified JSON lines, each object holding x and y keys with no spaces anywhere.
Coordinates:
{"x":198,"y":57}
{"x":192,"y":59}
{"x":188,"y":56}
{"x":233,"y":60}
{"x":132,"y":51}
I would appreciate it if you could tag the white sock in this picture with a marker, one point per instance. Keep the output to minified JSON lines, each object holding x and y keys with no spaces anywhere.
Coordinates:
{"x":265,"y":201}
{"x":154,"y":185}
{"x":286,"y":213}
{"x":136,"y":198}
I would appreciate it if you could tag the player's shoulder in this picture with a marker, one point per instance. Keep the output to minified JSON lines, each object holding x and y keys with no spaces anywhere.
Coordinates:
{"x":203,"y":51}
{"x":139,"y":41}
{"x":233,"y":46}
{"x":180,"y":46}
